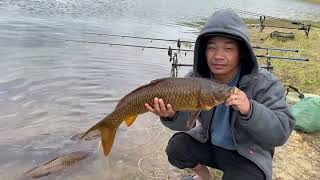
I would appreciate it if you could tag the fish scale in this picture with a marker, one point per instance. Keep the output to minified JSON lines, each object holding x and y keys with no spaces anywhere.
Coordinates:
{"x":57,"y":164}
{"x":183,"y":94}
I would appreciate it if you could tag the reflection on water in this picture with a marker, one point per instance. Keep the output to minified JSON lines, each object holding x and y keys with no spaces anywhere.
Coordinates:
{"x":51,"y":89}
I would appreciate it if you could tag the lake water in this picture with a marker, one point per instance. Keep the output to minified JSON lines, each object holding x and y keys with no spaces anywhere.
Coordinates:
{"x":51,"y":89}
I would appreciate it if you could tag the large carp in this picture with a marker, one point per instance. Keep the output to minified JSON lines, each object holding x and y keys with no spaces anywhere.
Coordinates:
{"x":184,"y":94}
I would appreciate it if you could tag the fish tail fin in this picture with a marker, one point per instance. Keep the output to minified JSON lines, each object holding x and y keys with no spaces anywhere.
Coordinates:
{"x":107,"y":138}
{"x":97,"y":126}
{"x":93,"y":128}
{"x":107,"y":134}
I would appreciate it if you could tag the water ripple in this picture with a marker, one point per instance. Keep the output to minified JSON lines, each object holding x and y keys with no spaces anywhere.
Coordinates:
{"x":51,"y":89}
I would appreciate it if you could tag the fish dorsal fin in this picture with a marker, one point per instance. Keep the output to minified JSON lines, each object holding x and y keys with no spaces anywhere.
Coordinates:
{"x":130,"y":120}
{"x":153,"y":82}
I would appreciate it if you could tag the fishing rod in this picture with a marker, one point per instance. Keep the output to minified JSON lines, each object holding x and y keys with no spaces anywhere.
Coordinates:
{"x":179,"y":41}
{"x":282,"y":58}
{"x":262,"y":26}
{"x":169,"y":48}
{"x":270,"y":17}
{"x":137,"y":37}
{"x":276,"y":49}
{"x":129,"y":45}
{"x":186,"y":50}
{"x":302,"y":26}
{"x":173,"y":54}
{"x":260,"y":56}
{"x":252,"y":13}
{"x":262,"y":18}
{"x":175,"y":64}
{"x":256,"y":14}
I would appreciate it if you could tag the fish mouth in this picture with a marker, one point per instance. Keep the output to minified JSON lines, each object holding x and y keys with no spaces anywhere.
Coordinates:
{"x":233,"y":90}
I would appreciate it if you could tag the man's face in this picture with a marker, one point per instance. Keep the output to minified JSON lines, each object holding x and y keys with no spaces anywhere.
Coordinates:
{"x":222,"y":55}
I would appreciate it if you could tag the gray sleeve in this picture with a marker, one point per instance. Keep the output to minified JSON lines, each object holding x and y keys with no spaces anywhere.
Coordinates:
{"x":270,"y":121}
{"x":179,"y":122}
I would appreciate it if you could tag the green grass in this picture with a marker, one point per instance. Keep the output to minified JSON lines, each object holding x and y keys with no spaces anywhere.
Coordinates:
{"x":303,"y":75}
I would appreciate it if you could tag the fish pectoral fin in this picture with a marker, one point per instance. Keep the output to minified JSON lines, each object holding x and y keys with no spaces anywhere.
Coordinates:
{"x":107,"y":138}
{"x":192,"y":119}
{"x":130,"y":120}
{"x":207,"y":108}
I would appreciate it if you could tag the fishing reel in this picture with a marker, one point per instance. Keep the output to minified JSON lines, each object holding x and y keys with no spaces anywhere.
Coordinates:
{"x":304,"y":27}
{"x":268,"y":65}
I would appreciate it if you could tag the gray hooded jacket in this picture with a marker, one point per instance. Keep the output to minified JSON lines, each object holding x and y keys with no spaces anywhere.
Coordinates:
{"x":269,"y":123}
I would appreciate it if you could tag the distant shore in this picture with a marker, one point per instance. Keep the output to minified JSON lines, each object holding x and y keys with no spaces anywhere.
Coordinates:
{"x":313,"y":1}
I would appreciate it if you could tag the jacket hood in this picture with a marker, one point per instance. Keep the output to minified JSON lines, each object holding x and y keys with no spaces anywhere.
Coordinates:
{"x":229,"y":24}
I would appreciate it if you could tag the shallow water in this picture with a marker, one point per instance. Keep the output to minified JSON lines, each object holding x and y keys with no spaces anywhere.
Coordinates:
{"x":51,"y":89}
